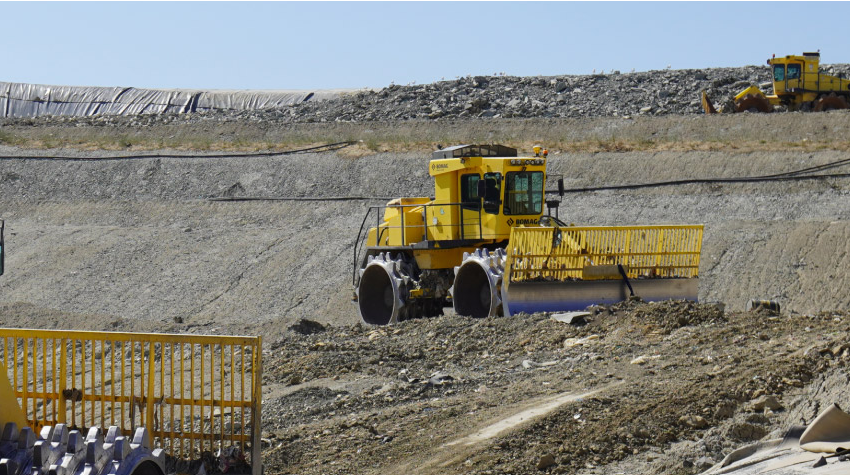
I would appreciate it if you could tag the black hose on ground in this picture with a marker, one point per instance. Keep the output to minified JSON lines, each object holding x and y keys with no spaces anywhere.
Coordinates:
{"x":794,"y":175}
{"x":331,"y":147}
{"x":790,"y":176}
{"x":300,"y":198}
{"x":694,"y":181}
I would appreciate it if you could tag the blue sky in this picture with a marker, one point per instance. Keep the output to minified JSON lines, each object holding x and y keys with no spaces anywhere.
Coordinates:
{"x":319,"y":45}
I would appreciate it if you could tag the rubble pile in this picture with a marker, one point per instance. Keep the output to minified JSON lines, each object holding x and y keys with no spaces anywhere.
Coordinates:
{"x":606,"y":94}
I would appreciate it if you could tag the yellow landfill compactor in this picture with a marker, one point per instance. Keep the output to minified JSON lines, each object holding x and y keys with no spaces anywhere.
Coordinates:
{"x":798,"y":84}
{"x":109,"y":403}
{"x":483,"y":245}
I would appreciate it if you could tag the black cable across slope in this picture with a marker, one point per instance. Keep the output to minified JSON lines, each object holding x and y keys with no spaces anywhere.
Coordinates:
{"x":794,"y":175}
{"x":317,"y":149}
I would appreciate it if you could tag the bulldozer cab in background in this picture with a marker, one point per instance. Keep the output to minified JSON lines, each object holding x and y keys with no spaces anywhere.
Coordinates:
{"x":798,"y":84}
{"x":791,"y":73}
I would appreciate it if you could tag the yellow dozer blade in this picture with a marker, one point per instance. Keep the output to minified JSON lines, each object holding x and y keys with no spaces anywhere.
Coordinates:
{"x":570,"y":268}
{"x":10,"y":410}
{"x":752,"y":99}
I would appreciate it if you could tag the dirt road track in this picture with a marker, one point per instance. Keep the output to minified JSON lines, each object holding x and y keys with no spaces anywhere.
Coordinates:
{"x":455,"y":452}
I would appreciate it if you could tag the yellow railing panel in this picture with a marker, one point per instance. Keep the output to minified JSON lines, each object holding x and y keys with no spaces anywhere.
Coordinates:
{"x":194,"y":393}
{"x":534,"y":254}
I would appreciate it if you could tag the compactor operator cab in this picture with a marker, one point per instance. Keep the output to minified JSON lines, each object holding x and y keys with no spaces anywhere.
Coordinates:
{"x":791,"y":73}
{"x":509,"y":190}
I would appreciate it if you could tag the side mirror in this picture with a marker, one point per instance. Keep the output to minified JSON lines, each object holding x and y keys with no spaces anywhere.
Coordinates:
{"x":561,"y":186}
{"x":482,"y":189}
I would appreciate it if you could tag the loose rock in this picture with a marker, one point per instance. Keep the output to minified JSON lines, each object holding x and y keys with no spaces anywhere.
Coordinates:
{"x":545,"y":462}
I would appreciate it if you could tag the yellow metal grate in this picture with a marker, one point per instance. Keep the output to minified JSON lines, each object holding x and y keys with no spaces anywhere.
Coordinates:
{"x":193,"y":393}
{"x":646,"y":251}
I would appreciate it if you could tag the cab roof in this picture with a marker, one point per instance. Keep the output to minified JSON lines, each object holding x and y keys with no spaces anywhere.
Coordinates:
{"x":460,"y":151}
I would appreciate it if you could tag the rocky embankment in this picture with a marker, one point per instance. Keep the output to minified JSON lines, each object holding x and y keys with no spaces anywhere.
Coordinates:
{"x":607,"y":94}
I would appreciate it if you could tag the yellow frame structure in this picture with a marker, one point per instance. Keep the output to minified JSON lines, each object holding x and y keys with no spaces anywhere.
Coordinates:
{"x":644,"y":251}
{"x":192,"y":392}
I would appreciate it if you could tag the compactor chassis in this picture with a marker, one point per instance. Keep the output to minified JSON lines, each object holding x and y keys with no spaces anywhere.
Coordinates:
{"x":541,"y":269}
{"x":798,"y":85}
{"x":484,"y":246}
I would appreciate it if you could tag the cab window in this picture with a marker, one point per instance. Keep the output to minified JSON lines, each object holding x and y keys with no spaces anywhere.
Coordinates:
{"x":779,"y":72}
{"x":469,"y":191}
{"x":794,"y":71}
{"x":494,"y":192}
{"x":524,"y":193}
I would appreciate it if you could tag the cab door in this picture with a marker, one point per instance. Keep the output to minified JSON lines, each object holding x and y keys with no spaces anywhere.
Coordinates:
{"x":481,"y":203}
{"x":470,"y":206}
{"x":793,"y":76}
{"x":778,"y":79}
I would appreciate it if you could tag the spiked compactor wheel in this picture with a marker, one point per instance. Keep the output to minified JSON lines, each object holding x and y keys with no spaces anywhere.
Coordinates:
{"x":59,"y":451}
{"x":478,"y":282}
{"x":383,"y":290}
{"x":830,"y":102}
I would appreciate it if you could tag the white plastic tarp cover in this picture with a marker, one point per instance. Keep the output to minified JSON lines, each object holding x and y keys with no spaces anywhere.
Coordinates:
{"x":812,"y":450}
{"x":31,"y":100}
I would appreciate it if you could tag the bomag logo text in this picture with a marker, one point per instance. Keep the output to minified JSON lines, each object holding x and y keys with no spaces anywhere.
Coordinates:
{"x":520,"y":222}
{"x":439,"y":166}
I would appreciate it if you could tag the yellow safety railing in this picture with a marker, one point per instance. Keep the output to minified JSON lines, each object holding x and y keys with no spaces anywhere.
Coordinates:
{"x":193,"y":393}
{"x":536,"y":253}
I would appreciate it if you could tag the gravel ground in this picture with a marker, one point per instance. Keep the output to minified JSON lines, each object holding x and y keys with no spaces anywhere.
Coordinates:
{"x":656,"y":388}
{"x":640,"y":388}
{"x":138,"y":245}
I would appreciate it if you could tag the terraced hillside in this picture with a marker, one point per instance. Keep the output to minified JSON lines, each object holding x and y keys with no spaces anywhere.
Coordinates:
{"x":137,"y":239}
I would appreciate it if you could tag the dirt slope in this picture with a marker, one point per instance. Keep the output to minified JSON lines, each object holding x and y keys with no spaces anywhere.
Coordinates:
{"x":140,"y":239}
{"x":137,"y":245}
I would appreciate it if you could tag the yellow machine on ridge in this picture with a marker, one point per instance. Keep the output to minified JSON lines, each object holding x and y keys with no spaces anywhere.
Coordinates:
{"x":798,"y":84}
{"x":483,"y":245}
